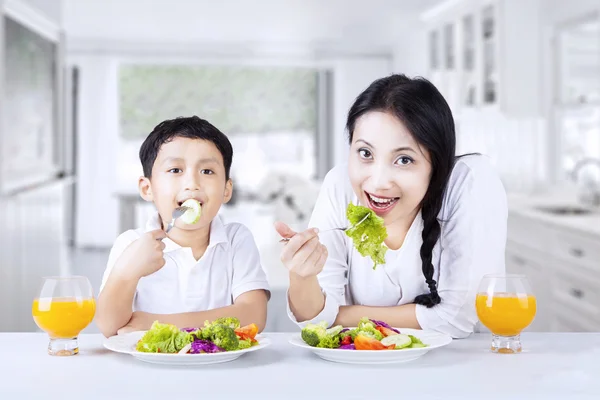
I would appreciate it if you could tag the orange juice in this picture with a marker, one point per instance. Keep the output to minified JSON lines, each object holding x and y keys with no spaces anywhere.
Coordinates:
{"x":63,"y":317}
{"x":505,"y":314}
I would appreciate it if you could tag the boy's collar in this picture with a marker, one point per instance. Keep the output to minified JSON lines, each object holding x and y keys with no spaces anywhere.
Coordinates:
{"x":217,"y":232}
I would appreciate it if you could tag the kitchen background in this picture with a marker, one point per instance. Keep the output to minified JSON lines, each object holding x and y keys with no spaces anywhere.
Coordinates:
{"x":83,"y":81}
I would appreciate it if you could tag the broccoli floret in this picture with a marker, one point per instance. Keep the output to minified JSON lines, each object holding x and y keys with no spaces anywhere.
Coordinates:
{"x":231,"y":322}
{"x":366,"y":328}
{"x":312,"y":333}
{"x":224,"y":336}
{"x":365,"y":322}
{"x":317,"y":335}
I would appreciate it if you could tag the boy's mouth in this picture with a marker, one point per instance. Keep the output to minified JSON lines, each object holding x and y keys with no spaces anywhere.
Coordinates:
{"x":180,"y":203}
{"x":381,"y":205}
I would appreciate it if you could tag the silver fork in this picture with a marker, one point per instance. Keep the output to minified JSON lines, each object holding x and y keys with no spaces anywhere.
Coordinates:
{"x":285,"y":240}
{"x":178,"y":212}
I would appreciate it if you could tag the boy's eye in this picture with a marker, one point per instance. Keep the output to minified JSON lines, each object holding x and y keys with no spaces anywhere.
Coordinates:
{"x":175,"y":170}
{"x":404,"y":160}
{"x":207,"y":172}
{"x":364,"y":153}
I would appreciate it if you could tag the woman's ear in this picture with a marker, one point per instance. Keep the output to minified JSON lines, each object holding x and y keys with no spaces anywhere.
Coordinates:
{"x":145,"y":188}
{"x":228,"y":191}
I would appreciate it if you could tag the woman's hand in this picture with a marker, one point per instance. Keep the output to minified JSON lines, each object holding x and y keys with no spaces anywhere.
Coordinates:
{"x":303,"y":255}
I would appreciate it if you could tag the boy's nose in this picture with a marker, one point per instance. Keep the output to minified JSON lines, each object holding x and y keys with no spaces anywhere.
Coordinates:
{"x":192,"y":182}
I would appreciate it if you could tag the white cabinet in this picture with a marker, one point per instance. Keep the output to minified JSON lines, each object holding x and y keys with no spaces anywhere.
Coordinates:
{"x":563,"y":267}
{"x":486,"y":53}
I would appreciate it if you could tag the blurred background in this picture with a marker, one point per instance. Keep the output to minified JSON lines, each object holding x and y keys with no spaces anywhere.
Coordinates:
{"x":82,"y":82}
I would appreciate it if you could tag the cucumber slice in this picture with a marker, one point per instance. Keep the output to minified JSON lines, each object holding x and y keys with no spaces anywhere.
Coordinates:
{"x":401,"y":341}
{"x":192,"y":215}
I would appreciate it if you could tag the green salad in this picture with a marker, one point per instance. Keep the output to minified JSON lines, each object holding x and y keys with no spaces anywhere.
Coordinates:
{"x":369,"y":235}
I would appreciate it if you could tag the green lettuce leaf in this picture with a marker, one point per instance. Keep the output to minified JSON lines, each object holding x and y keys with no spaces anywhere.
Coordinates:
{"x":163,"y":338}
{"x":367,"y":237}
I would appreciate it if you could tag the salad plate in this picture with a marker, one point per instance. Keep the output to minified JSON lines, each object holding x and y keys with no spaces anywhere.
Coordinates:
{"x":221,"y":341}
{"x":402,"y":345}
{"x":126,"y":344}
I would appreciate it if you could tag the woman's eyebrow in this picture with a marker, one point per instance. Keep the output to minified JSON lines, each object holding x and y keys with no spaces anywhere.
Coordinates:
{"x":405,"y":148}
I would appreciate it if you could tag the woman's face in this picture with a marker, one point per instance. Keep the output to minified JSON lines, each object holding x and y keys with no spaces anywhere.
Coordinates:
{"x":388,"y":169}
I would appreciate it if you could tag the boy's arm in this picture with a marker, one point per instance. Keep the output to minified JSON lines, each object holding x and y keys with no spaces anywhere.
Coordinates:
{"x":130,"y":259}
{"x":114,"y":304}
{"x":249,"y":308}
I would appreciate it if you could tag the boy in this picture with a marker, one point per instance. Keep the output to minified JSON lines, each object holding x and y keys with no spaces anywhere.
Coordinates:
{"x":197,"y":272}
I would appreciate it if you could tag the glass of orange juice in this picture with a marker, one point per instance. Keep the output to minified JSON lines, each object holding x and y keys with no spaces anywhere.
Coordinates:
{"x":505,"y":305}
{"x":64,"y":307}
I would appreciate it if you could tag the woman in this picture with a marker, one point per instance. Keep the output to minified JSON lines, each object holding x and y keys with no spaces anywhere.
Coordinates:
{"x":445,"y":217}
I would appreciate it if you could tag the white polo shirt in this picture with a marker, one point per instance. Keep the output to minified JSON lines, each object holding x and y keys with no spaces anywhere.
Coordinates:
{"x":229,"y":267}
{"x":472,"y":243}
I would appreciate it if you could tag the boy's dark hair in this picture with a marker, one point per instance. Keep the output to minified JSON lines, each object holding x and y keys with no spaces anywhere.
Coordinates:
{"x":186,"y":127}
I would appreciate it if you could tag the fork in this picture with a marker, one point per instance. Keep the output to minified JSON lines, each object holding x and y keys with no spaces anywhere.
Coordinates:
{"x":285,"y":240}
{"x":178,"y":212}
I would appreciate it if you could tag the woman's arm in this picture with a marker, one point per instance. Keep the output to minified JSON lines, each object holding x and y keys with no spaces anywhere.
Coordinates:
{"x":401,"y":316}
{"x":317,"y":295}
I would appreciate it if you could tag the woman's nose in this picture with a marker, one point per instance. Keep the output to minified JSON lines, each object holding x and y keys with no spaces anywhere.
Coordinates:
{"x":381,"y":178}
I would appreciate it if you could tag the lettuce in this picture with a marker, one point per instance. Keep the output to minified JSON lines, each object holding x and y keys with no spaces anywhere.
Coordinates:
{"x":369,"y":235}
{"x":163,"y":338}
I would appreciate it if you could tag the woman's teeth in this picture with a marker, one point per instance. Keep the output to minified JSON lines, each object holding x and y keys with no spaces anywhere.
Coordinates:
{"x":380,"y":202}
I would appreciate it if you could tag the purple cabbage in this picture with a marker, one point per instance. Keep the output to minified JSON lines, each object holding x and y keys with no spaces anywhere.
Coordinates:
{"x":204,"y":346}
{"x":348,"y":347}
{"x":381,"y":323}
{"x":190,"y":330}
{"x":344,"y":330}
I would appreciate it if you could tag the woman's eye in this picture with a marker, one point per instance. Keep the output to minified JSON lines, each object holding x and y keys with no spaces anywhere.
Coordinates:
{"x":364,"y":153}
{"x":175,"y":170}
{"x":405,"y":160}
{"x":207,"y":172}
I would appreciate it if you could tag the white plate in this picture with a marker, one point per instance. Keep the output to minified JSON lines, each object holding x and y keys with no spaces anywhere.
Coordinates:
{"x":434,"y":340}
{"x":126,"y":344}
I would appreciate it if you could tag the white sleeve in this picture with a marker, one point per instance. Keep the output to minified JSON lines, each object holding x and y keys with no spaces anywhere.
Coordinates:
{"x":121,"y":243}
{"x":473,"y":242}
{"x":248,"y":273}
{"x":330,"y":212}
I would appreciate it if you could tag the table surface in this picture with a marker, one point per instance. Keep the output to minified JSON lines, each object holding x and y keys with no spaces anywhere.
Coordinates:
{"x":552,"y":365}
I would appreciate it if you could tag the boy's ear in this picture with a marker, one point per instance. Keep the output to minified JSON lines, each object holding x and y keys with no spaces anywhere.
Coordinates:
{"x":228,"y":191}
{"x":145,"y":188}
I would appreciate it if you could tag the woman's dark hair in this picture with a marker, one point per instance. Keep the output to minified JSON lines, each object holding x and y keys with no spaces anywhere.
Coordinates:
{"x":423,"y":110}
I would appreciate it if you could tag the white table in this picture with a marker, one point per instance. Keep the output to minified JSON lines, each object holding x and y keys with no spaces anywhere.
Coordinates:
{"x":553,"y":366}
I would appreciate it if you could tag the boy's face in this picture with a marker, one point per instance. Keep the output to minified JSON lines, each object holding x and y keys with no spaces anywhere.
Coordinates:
{"x":187,"y":169}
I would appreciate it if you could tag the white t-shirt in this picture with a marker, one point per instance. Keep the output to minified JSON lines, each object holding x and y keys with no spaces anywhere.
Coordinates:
{"x":229,"y":267}
{"x":472,"y":243}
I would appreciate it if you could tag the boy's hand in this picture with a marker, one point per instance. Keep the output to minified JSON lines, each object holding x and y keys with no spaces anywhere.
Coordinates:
{"x":140,"y":321}
{"x":303,"y":255}
{"x":142,"y":257}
